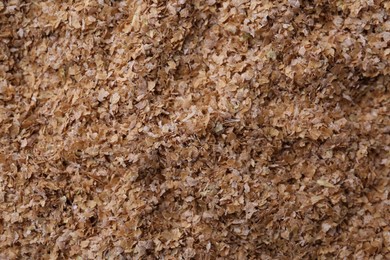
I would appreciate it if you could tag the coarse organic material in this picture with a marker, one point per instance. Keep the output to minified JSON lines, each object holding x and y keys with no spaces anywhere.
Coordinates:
{"x":177,"y":129}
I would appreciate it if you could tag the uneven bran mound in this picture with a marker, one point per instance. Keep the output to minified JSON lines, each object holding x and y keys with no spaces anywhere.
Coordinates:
{"x":178,"y":129}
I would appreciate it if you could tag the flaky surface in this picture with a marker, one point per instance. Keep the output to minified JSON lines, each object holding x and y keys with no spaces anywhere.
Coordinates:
{"x":194,"y":129}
